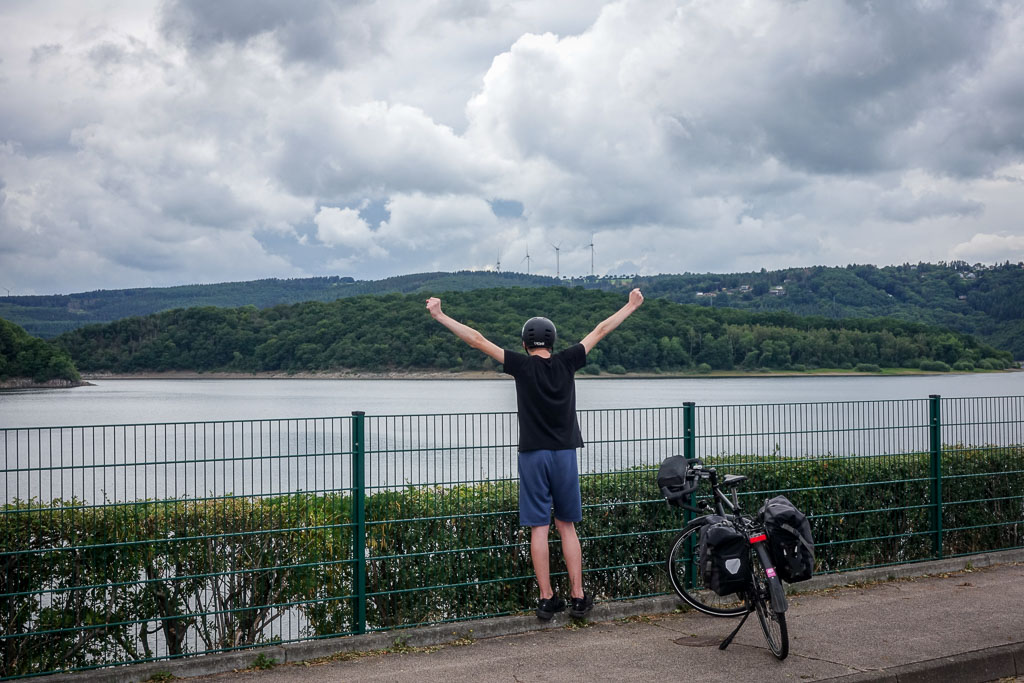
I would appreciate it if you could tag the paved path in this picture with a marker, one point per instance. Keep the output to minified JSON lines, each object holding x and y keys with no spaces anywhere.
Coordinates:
{"x":960,"y":626}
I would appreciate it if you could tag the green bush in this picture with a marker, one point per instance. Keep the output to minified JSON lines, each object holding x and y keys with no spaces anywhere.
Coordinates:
{"x":934,"y":366}
{"x":98,"y":585}
{"x":616,"y":370}
{"x":23,"y":356}
{"x":703,"y":368}
{"x":963,"y":366}
{"x":867,"y":367}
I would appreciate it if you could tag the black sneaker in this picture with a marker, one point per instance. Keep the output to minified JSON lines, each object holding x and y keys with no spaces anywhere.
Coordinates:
{"x":581,"y":606}
{"x":547,"y":607}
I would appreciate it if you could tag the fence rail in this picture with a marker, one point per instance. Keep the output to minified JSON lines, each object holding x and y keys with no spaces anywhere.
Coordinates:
{"x":128,"y":543}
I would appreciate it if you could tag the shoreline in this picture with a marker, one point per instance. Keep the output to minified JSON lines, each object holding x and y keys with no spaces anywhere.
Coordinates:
{"x":22,"y":383}
{"x":495,"y":375}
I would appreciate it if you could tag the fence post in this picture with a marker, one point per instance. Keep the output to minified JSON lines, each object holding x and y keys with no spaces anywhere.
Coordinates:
{"x":359,"y":521}
{"x":689,"y":452}
{"x":935,"y":443}
{"x":689,"y":445}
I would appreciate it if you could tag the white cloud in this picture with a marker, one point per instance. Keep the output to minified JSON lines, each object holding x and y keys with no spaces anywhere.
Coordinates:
{"x":983,"y":248}
{"x":150,"y":143}
{"x":434,"y":222}
{"x":344,"y":228}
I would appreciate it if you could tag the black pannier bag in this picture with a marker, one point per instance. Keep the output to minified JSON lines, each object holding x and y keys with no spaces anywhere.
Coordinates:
{"x":672,"y":479}
{"x":789,"y":539}
{"x":724,"y":556}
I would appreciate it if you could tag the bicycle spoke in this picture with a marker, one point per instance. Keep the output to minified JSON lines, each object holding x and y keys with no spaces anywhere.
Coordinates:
{"x":682,"y":565}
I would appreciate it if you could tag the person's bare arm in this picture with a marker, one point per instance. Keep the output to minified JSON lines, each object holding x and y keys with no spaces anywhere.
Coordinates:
{"x":613,"y":321}
{"x":465,"y":332}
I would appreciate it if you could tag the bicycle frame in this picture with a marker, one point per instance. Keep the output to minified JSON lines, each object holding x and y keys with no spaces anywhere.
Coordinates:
{"x":732,"y":510}
{"x":763,"y":593}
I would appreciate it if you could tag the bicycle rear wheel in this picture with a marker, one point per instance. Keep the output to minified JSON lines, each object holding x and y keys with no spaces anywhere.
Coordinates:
{"x":772,"y":623}
{"x":681,"y":564}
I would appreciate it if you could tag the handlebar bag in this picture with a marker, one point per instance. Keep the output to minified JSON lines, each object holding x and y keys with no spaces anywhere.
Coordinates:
{"x":789,"y":539}
{"x":672,"y":480}
{"x":724,"y":555}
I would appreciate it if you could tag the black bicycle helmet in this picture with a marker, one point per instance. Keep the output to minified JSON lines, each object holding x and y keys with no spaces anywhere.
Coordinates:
{"x":539,"y":333}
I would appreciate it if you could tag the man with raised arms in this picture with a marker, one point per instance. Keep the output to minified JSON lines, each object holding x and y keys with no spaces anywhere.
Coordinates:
{"x":549,"y":434}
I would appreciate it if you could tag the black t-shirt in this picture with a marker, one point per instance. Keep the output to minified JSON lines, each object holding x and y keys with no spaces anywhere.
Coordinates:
{"x":546,"y":397}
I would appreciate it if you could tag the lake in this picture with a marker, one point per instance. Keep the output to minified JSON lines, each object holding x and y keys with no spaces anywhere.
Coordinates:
{"x":130,"y":401}
{"x":208,"y":437}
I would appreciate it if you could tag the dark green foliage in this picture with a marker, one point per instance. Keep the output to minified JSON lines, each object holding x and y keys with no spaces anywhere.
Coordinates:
{"x":981,"y":300}
{"x":874,"y":511}
{"x":25,"y":357}
{"x":202,"y":575}
{"x":49,"y":316}
{"x":213,"y":574}
{"x":395,"y":332}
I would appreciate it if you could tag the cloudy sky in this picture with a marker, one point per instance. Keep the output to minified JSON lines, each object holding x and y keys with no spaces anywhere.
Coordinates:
{"x":153,"y":143}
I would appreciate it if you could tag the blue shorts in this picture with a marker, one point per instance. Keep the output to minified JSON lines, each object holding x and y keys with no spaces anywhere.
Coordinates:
{"x":549,"y":479}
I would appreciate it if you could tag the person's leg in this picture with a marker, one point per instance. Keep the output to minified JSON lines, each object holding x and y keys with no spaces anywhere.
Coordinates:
{"x":573,"y":556}
{"x":565,"y":492}
{"x":565,"y":488}
{"x":535,"y":512}
{"x":549,"y":604}
{"x":541,"y":560}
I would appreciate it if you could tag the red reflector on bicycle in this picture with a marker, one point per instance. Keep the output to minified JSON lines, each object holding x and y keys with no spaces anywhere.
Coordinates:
{"x":759,"y":538}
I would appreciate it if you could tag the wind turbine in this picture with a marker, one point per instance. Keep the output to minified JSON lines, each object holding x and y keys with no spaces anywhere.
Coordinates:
{"x":527,"y":259}
{"x":558,"y":270}
{"x":591,"y":245}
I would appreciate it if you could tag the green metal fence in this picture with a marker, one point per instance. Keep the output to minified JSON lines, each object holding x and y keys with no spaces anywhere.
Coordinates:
{"x":129,"y":543}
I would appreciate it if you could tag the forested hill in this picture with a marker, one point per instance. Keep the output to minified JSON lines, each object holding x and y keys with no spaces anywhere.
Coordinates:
{"x":28,"y":359}
{"x":48,"y":316}
{"x":395,"y":332}
{"x":986,"y":301}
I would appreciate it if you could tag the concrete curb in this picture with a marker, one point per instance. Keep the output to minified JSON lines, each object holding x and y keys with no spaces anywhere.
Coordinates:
{"x":980,"y":666}
{"x":1007,"y":660}
{"x":906,"y":571}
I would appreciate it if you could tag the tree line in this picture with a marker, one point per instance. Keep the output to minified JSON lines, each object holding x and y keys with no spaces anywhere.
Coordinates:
{"x":23,"y":356}
{"x":394,"y":332}
{"x":49,"y":315}
{"x":974,"y":299}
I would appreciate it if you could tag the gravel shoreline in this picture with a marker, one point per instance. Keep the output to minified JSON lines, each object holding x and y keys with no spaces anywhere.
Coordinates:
{"x":15,"y":383}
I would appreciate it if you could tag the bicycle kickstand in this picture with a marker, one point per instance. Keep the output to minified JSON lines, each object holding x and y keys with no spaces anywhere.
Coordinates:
{"x":728,"y":641}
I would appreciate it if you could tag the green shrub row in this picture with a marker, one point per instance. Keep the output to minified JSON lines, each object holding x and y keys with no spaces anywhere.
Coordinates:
{"x":82,"y":586}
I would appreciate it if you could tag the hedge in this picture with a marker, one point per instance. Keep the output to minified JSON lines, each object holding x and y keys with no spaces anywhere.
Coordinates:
{"x":84,"y":586}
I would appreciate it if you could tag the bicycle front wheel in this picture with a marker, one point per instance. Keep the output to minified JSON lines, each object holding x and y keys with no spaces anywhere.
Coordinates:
{"x":682,"y":563}
{"x":772,"y":623}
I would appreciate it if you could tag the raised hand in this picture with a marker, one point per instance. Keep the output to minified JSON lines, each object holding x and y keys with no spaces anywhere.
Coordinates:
{"x":636,"y":298}
{"x":434,"y":306}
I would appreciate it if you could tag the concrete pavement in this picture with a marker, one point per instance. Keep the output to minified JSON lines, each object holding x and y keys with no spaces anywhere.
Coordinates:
{"x":953,"y":620}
